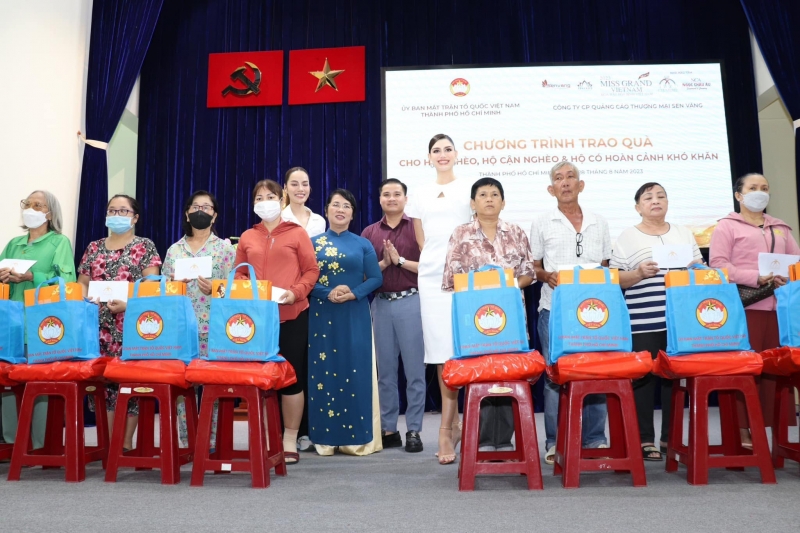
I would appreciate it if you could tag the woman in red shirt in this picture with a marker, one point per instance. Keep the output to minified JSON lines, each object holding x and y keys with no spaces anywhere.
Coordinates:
{"x":281,"y":252}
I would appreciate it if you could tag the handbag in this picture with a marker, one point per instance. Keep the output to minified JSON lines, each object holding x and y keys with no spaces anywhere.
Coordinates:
{"x":159,"y":327}
{"x":751,"y":295}
{"x":12,"y":328}
{"x":244,"y":330}
{"x":488,"y":321}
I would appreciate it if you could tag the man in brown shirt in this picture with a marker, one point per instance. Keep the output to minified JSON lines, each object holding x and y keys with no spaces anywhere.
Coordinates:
{"x":396,"y":318}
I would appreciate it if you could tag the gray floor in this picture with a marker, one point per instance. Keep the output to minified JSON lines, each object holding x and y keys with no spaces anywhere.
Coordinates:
{"x":398,"y":491}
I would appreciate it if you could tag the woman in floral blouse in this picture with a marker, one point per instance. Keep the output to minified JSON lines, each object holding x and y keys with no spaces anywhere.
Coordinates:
{"x":200,"y":240}
{"x":487,"y":240}
{"x":119,"y":257}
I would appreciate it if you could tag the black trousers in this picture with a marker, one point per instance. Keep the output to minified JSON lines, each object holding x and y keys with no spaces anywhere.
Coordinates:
{"x":644,"y":389}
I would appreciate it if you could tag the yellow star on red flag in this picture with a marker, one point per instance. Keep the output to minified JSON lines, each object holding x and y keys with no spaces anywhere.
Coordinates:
{"x":326,"y":76}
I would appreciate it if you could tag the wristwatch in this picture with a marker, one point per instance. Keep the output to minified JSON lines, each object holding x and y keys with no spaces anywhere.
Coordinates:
{"x":401,"y":262}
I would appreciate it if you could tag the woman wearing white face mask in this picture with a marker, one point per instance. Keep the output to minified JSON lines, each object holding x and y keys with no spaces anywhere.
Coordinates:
{"x":281,"y":252}
{"x":43,"y":243}
{"x":295,"y":195}
{"x":121,"y":256}
{"x":735,"y":245}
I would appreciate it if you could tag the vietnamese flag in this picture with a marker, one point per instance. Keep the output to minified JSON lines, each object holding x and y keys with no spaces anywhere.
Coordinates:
{"x":323,"y":75}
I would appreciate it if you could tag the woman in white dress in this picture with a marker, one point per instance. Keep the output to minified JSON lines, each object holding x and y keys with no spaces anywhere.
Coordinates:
{"x":437,"y":209}
{"x":296,"y":190}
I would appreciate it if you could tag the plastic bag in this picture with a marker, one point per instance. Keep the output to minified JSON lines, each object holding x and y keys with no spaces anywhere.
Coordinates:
{"x":783,"y":361}
{"x":6,"y":381}
{"x":600,"y":365}
{"x":167,"y":371}
{"x":266,"y":376}
{"x":91,"y":370}
{"x":735,"y":363}
{"x":496,"y":367}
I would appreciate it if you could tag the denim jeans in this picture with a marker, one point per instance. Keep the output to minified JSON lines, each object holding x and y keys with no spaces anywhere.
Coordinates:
{"x":594,"y":407}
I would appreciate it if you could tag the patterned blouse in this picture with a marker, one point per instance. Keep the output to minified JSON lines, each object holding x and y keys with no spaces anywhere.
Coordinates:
{"x":469,"y":249}
{"x":222,"y":258}
{"x":126,"y":264}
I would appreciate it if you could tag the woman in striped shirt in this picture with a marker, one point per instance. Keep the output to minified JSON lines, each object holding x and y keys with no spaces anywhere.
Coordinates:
{"x":645,"y":294}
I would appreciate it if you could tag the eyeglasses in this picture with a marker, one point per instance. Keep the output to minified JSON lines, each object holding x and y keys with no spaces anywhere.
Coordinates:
{"x":204,"y":208}
{"x":120,"y":212}
{"x":36,"y":206}
{"x":578,"y":241}
{"x":346,"y":207}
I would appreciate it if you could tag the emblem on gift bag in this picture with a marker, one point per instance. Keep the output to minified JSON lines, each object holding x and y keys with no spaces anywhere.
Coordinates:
{"x":51,"y":330}
{"x":149,"y":325}
{"x":240,"y":328}
{"x":592,"y":313}
{"x":490,"y":319}
{"x":712,"y":314}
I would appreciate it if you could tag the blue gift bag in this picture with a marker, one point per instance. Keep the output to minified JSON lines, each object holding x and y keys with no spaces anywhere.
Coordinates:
{"x":12,"y":332}
{"x":244,"y":330}
{"x":63,"y":330}
{"x":159,"y":327}
{"x":588,"y":317}
{"x":705,"y":318}
{"x":488,"y":321}
{"x":788,"y":298}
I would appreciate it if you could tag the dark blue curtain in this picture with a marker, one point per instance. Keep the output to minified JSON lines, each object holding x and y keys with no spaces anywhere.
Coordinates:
{"x":121,"y":33}
{"x":776,"y":25}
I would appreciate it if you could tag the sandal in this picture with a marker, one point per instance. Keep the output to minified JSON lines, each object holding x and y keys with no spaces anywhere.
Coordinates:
{"x":456,"y":433}
{"x":450,"y":458}
{"x":649,"y":450}
{"x":550,"y":456}
{"x":291,"y":458}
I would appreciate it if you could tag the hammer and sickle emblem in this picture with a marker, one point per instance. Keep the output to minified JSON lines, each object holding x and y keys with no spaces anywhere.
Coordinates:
{"x":252,"y":86}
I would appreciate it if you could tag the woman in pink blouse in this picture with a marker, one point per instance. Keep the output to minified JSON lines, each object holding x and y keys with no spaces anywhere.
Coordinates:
{"x":487,"y":240}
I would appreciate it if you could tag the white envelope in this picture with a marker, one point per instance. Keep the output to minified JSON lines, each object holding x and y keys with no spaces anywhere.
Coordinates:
{"x":109,"y":290}
{"x":277,"y":292}
{"x":673,"y":255}
{"x":20,"y":266}
{"x":777,"y":264}
{"x":192,"y":268}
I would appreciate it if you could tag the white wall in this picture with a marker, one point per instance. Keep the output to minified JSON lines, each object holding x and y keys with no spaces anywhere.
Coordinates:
{"x":44,"y":50}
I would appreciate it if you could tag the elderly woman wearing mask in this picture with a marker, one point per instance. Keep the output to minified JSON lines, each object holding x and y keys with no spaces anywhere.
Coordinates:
{"x":735,"y":245}
{"x":645,"y":294}
{"x":42,"y":242}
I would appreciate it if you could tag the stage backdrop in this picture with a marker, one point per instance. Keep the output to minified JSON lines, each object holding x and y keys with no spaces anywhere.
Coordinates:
{"x":184,"y":146}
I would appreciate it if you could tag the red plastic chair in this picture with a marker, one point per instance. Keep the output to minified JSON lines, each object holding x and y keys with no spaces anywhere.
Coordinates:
{"x":167,"y":456}
{"x":6,"y":449}
{"x":624,"y":453}
{"x":266,"y":448}
{"x":699,"y":456}
{"x":64,"y":408}
{"x":784,"y":403}
{"x":524,"y":459}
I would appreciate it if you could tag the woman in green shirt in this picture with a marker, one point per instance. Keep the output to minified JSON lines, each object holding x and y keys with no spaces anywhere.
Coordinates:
{"x":52,"y":251}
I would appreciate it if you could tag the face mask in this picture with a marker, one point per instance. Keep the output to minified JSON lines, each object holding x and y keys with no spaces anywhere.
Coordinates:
{"x":33,"y":219}
{"x":118,"y":224}
{"x":268,"y":210}
{"x":756,"y":201}
{"x":200,"y":220}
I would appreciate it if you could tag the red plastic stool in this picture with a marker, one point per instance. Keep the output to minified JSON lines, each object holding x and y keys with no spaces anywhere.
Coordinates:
{"x":167,"y":456}
{"x":524,"y":459}
{"x":6,"y":449}
{"x":699,"y":456}
{"x":625,"y":452}
{"x":265,"y":451}
{"x":64,"y":408}
{"x":784,"y":401}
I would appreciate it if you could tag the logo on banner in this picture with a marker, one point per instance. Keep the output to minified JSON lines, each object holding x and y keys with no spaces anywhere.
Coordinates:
{"x":592,"y":313}
{"x":490,"y":319}
{"x":667,"y":85}
{"x":696,"y":84}
{"x":584,"y":85}
{"x":248,"y":86}
{"x":641,"y":85}
{"x":149,"y":325}
{"x":548,"y":85}
{"x":712,"y":314}
{"x":51,"y":330}
{"x":459,"y":87}
{"x":240,"y":328}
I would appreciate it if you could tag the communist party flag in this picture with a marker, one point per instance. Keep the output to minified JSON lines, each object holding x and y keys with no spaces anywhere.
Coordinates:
{"x":245,"y":79}
{"x":323,"y":75}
